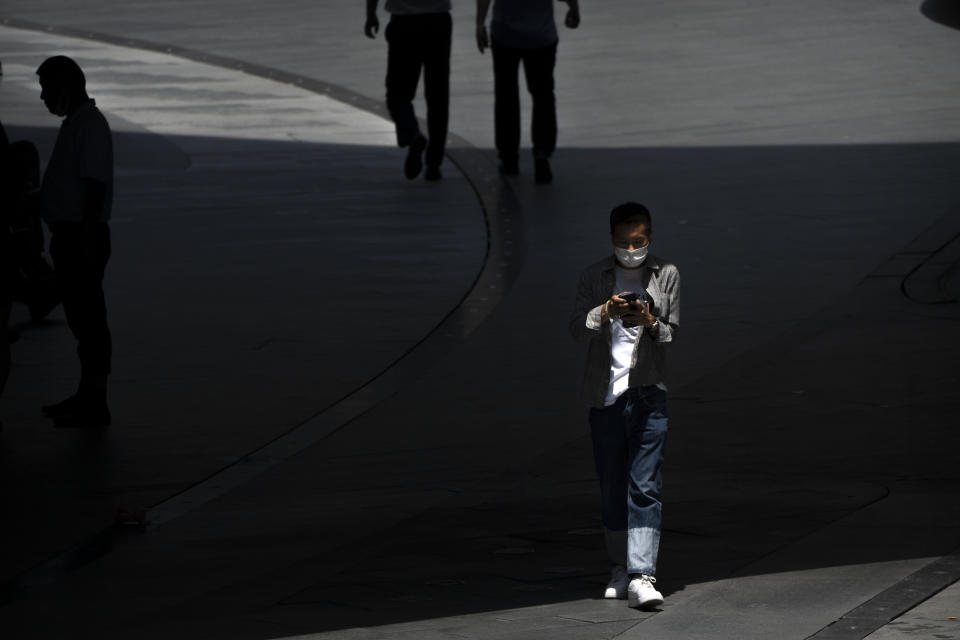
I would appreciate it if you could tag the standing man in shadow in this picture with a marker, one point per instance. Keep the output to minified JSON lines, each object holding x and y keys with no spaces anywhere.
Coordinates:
{"x":628,"y":311}
{"x":524,"y":31}
{"x":418,"y":37}
{"x":77,"y":195}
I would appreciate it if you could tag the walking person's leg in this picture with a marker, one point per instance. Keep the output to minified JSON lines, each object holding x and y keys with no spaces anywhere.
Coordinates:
{"x":79,"y":264}
{"x":610,"y":452}
{"x":506,"y":105}
{"x":647,"y":425}
{"x":95,"y":345}
{"x":538,"y":65}
{"x":403,"y":73}
{"x":436,"y":89}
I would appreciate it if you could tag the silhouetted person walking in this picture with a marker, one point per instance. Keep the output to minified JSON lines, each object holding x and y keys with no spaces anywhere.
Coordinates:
{"x":418,"y":37}
{"x":627,"y":309}
{"x":524,"y":31}
{"x":77,"y":195}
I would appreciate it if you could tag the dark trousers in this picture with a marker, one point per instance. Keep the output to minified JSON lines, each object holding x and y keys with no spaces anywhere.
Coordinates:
{"x":415,"y":42}
{"x":79,"y":259}
{"x":629,"y":439}
{"x":538,"y":68}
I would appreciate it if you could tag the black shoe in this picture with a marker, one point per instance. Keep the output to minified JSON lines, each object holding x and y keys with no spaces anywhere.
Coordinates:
{"x":433,"y":174}
{"x":62,"y":408}
{"x":541,"y":171}
{"x":414,"y":163}
{"x":509,"y":168}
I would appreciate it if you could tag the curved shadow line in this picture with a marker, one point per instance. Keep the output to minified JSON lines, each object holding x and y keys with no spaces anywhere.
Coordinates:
{"x":501,"y":266}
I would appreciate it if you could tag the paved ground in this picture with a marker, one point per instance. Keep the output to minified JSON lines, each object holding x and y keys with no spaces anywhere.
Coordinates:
{"x":800,"y":161}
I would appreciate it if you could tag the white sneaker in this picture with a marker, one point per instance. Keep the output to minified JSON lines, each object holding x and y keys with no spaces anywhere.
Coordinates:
{"x":617,"y":587}
{"x":641,"y":593}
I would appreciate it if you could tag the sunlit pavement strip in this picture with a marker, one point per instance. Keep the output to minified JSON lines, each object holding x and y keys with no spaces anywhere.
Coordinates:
{"x":174,"y":96}
{"x":747,"y":612}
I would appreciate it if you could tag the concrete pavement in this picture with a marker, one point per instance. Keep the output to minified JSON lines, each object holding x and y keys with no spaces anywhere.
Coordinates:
{"x":811,"y":465}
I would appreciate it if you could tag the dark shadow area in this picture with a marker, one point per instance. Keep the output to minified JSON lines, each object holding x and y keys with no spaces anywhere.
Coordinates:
{"x":459,"y":494}
{"x":945,"y":12}
{"x":223,"y":272}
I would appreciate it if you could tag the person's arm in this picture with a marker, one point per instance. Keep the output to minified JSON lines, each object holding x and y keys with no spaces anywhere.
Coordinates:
{"x":664,"y":327}
{"x":94,"y":197}
{"x":573,"y":14}
{"x":483,"y":40}
{"x":372,"y":24}
{"x":669,"y":323}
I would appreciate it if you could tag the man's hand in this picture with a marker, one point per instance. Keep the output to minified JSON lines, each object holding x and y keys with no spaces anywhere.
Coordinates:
{"x":639,"y":315}
{"x":616,"y":306}
{"x":372,"y":25}
{"x":483,"y":40}
{"x":573,"y":14}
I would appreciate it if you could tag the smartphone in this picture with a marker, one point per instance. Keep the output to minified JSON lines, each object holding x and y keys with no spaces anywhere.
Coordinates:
{"x":635,"y":298}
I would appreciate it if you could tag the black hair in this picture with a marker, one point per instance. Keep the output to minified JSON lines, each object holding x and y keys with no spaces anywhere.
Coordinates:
{"x":630,"y":213}
{"x":64,"y":72}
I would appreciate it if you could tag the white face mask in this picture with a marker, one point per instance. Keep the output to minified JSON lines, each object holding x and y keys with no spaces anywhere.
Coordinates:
{"x":631,"y":259}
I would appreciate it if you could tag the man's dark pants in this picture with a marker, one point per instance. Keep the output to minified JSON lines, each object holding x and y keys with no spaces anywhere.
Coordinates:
{"x":80,"y":257}
{"x":415,"y":42}
{"x":538,"y":68}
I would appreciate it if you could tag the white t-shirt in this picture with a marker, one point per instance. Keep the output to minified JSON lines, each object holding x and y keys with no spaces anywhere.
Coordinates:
{"x":623,"y":338}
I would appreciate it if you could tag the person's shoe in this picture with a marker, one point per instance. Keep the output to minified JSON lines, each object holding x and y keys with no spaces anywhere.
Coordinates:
{"x":432,"y":174}
{"x":617,"y":587}
{"x":414,"y":163}
{"x":62,"y":408}
{"x":541,"y":171}
{"x":509,"y":168}
{"x":641,"y":594}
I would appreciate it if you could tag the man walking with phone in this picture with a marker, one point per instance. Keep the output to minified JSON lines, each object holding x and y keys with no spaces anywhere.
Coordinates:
{"x":627,"y":309}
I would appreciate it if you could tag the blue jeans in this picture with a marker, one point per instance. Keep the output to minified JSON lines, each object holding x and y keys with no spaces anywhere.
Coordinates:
{"x":628,"y":449}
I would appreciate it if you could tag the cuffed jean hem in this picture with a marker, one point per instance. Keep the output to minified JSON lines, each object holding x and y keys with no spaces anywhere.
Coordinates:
{"x":643,"y":544}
